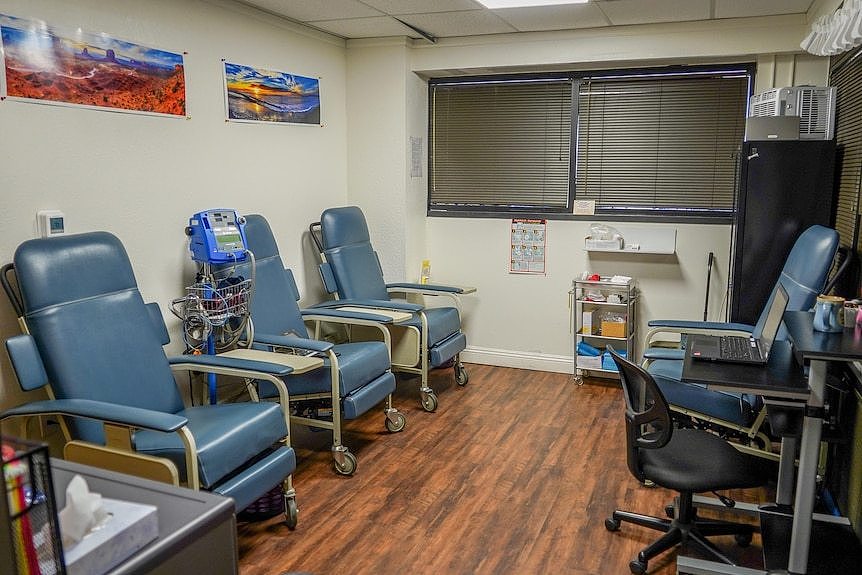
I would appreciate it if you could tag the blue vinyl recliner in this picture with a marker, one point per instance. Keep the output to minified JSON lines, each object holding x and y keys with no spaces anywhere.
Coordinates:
{"x":430,"y":338}
{"x":355,"y":377}
{"x":98,"y":348}
{"x":737,"y":415}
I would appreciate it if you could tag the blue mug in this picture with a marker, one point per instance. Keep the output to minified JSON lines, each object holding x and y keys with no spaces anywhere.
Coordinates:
{"x":829,"y":314}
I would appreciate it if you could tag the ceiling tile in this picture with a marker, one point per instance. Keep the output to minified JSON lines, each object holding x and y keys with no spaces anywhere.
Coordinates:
{"x":622,"y":12}
{"x":375,"y":27}
{"x":553,"y":17}
{"x":466,"y":23}
{"x":396,"y":7}
{"x":744,"y":8}
{"x":307,"y":10}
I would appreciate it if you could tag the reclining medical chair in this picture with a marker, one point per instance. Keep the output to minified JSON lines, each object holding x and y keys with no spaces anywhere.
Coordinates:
{"x":97,"y":348}
{"x":431,"y":337}
{"x":355,"y":377}
{"x":736,"y":415}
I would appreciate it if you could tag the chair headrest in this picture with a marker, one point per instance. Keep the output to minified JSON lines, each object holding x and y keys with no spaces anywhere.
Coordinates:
{"x":52,"y":271}
{"x":809,"y":261}
{"x":343,"y":226}
{"x":259,"y":236}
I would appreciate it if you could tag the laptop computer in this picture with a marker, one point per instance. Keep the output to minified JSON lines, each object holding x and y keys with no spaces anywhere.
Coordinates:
{"x":742,"y":349}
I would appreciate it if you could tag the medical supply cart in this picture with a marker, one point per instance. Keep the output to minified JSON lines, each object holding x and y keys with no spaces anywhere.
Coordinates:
{"x":603,"y":313}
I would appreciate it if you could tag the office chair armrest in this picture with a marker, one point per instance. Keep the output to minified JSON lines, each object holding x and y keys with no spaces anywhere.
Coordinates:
{"x":293,"y":341}
{"x":371,"y":304}
{"x":26,"y":362}
{"x":228,"y":366}
{"x":429,"y":289}
{"x":101,"y":411}
{"x":336,"y":315}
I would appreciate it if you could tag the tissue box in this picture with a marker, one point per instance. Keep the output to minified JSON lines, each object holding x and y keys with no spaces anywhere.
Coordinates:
{"x":613,"y":328}
{"x":589,"y":362}
{"x":130,"y":527}
{"x":590,"y":322}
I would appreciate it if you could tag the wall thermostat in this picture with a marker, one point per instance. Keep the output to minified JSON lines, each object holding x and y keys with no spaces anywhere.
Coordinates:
{"x":51,"y":223}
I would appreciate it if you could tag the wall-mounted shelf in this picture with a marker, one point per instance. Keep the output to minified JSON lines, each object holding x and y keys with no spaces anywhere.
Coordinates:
{"x":643,"y":240}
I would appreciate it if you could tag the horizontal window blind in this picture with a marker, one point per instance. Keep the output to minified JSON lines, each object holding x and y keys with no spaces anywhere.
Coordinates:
{"x":660,"y":142}
{"x":846,"y":75}
{"x":501,"y":145}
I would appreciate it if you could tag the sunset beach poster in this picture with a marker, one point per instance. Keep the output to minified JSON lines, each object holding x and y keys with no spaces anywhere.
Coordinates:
{"x":43,"y":65}
{"x":260,"y":95}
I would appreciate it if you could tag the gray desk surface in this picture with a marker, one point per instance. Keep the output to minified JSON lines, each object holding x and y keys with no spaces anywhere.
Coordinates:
{"x":185,"y":516}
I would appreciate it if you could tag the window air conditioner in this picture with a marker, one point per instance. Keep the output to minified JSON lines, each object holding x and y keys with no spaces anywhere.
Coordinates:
{"x":814,"y":105}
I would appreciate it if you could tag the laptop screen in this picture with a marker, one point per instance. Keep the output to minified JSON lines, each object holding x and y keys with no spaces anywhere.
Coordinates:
{"x":773,"y":319}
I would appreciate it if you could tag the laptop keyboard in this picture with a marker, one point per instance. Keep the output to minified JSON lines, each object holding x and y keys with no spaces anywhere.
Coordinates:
{"x":735,"y":347}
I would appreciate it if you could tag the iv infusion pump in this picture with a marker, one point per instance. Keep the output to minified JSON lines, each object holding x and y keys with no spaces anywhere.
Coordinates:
{"x":217,"y":236}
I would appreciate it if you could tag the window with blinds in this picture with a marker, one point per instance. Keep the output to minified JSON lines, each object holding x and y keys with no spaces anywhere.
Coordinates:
{"x":664,"y":143}
{"x":845,"y":73}
{"x":502,"y":145}
{"x":640,"y":143}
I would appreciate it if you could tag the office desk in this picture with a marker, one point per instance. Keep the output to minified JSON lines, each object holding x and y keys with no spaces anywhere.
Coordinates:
{"x":783,"y":378}
{"x":197,"y":530}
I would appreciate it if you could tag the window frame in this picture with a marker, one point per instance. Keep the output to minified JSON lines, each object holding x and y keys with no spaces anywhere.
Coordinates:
{"x":662,"y":215}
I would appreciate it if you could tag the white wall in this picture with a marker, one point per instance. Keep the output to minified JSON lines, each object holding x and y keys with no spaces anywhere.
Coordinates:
{"x":141,"y":177}
{"x":522,"y":320}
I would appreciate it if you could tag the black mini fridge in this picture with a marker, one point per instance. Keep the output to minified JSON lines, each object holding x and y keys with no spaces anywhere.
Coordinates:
{"x":784,"y":187}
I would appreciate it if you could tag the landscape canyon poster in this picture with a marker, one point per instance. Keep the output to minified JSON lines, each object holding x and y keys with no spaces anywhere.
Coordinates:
{"x":79,"y":68}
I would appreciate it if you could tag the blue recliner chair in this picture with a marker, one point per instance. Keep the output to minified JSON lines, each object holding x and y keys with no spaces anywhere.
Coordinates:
{"x":430,"y":338}
{"x":739,"y":415}
{"x":355,"y":377}
{"x":98,"y":348}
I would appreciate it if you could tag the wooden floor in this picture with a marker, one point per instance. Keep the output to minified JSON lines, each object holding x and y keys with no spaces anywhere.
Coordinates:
{"x":514,"y":473}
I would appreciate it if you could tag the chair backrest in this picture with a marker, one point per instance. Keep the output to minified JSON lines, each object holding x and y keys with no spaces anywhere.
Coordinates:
{"x":351,"y":258}
{"x":648,"y":420}
{"x":273,"y":306}
{"x":91,"y":326}
{"x":804,"y":273}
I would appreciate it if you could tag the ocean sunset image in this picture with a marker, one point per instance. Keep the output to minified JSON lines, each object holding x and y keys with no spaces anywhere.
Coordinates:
{"x":259,"y":95}
{"x":90,"y":70}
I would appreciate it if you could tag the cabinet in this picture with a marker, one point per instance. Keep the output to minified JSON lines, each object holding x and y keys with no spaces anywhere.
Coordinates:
{"x":603,"y":312}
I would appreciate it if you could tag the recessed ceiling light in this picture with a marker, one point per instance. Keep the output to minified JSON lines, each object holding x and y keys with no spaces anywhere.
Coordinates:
{"x":526,"y":3}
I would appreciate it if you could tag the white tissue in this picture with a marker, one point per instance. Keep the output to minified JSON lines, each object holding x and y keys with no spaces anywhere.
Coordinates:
{"x":83,"y":512}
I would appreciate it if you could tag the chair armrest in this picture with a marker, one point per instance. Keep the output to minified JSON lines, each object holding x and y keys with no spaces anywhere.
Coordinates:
{"x":371,"y":304}
{"x":655,"y":353}
{"x":293,"y":341}
{"x":430,"y":289}
{"x":335,"y":314}
{"x":216,"y":364}
{"x":27,"y":362}
{"x":701,"y":325}
{"x":99,"y":410}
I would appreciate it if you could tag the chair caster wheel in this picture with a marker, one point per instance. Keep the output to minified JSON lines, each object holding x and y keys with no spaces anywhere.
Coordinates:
{"x":429,"y":401}
{"x":612,"y":524}
{"x":743,"y":539}
{"x":291,"y":513}
{"x":349,"y":465}
{"x":637,"y":566}
{"x":461,"y":375}
{"x":395,"y":422}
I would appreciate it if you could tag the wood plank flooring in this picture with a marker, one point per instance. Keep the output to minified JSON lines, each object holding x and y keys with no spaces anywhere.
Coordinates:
{"x":514,"y":473}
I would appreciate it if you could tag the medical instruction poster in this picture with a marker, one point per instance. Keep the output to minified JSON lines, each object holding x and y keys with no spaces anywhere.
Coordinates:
{"x":527,"y":246}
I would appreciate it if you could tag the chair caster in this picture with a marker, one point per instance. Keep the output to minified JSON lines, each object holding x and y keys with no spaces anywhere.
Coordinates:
{"x":461,"y":375}
{"x":343,"y":461}
{"x":395,"y":421}
{"x":429,"y":401}
{"x":637,"y":566}
{"x":743,"y":539}
{"x":612,"y":524}
{"x":291,"y":512}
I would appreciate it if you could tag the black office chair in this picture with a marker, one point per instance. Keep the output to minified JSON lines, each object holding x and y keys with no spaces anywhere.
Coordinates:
{"x":688,"y":461}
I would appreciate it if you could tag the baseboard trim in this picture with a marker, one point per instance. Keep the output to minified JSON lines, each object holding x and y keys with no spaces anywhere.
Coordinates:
{"x":518,"y":359}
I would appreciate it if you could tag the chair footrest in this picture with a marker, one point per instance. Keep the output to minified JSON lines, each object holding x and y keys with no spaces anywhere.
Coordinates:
{"x":255,"y":480}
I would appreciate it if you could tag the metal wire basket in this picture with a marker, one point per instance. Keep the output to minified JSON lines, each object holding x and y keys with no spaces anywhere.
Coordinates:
{"x":217,"y":304}
{"x":31,"y":531}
